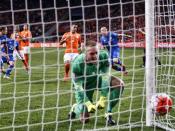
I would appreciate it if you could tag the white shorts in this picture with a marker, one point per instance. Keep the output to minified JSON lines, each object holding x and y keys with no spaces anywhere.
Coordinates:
{"x":26,"y":49}
{"x":69,"y":57}
{"x":15,"y":55}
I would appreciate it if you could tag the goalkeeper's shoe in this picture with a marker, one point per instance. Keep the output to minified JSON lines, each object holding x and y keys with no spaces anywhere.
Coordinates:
{"x":101,"y":103}
{"x":71,"y":115}
{"x":109,"y":120}
{"x":6,"y":77}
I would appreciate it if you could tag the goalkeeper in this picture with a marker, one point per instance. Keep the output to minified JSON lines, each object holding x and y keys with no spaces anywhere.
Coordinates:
{"x":90,"y":72}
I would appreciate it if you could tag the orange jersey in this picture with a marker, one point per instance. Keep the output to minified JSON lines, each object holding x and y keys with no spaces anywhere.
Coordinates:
{"x":25,"y":34}
{"x":72,"y":42}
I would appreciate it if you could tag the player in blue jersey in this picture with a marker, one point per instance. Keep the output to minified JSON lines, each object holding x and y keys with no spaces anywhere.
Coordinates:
{"x":7,"y":55}
{"x":3,"y":38}
{"x":109,"y":40}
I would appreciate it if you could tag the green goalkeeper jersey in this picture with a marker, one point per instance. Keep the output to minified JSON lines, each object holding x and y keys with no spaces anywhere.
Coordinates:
{"x":87,"y":76}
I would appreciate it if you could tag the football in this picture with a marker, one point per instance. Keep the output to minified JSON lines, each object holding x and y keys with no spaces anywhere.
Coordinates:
{"x":161,"y":104}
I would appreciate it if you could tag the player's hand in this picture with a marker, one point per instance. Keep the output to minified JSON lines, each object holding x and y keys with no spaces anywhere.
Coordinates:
{"x":91,"y":107}
{"x":101,"y":103}
{"x":67,"y":37}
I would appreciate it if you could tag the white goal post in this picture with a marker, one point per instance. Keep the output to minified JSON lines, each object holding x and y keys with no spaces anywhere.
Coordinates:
{"x":150,"y":55}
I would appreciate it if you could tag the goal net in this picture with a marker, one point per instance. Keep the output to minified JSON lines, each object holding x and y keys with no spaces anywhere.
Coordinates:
{"x":165,"y":38}
{"x":41,"y":100}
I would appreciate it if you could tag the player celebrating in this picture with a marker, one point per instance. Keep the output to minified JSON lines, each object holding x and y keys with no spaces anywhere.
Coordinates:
{"x":16,"y":36}
{"x":90,"y":71}
{"x":109,"y":40}
{"x":73,"y":42}
{"x":26,"y":37}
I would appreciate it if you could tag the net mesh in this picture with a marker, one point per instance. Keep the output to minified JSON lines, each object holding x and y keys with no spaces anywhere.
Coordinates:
{"x":164,"y":30}
{"x":42,"y":100}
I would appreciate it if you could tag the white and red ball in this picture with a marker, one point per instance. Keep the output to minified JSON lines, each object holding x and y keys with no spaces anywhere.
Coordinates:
{"x":161,"y":104}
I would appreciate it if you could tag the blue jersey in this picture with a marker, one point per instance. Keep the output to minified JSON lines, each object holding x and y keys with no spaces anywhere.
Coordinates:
{"x":3,"y":39}
{"x":11,"y":46}
{"x":110,"y":41}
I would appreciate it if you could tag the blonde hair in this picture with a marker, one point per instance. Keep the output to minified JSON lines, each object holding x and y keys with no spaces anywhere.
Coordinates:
{"x":91,"y":43}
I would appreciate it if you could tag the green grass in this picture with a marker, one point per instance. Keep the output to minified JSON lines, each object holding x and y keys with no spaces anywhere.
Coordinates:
{"x":42,"y":100}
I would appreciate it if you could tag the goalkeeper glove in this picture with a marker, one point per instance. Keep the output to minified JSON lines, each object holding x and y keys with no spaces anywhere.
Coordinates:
{"x":91,"y":108}
{"x":101,"y":103}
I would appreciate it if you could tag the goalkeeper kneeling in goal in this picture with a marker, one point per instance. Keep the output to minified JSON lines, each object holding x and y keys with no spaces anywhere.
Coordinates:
{"x":90,"y":72}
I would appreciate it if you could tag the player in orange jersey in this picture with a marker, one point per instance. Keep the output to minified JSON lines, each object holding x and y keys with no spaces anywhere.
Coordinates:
{"x":72,"y":40}
{"x":26,"y":37}
{"x":17,"y":37}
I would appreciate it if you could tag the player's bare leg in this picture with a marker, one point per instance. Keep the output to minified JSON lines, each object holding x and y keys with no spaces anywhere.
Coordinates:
{"x":26,"y":56}
{"x":67,"y":68}
{"x":9,"y":70}
{"x":25,"y":65}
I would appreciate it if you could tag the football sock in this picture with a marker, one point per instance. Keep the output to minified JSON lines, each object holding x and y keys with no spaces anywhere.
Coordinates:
{"x":67,"y":67}
{"x":26,"y":56}
{"x":9,"y":70}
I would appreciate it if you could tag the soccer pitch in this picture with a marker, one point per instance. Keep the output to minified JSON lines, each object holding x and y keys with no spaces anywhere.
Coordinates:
{"x":42,"y":100}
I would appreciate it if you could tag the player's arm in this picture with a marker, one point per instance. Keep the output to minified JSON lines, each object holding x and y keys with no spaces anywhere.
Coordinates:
{"x":5,"y":46}
{"x":125,"y":35}
{"x":17,"y":49}
{"x":29,"y":36}
{"x":79,"y":42}
{"x":78,"y":79}
{"x":80,"y":45}
{"x":105,"y":81}
{"x":104,"y":58}
{"x":64,"y":38}
{"x":101,"y":43}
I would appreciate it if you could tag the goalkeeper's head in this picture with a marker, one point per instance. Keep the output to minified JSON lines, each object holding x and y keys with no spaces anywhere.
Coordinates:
{"x":91,"y":52}
{"x":104,"y":31}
